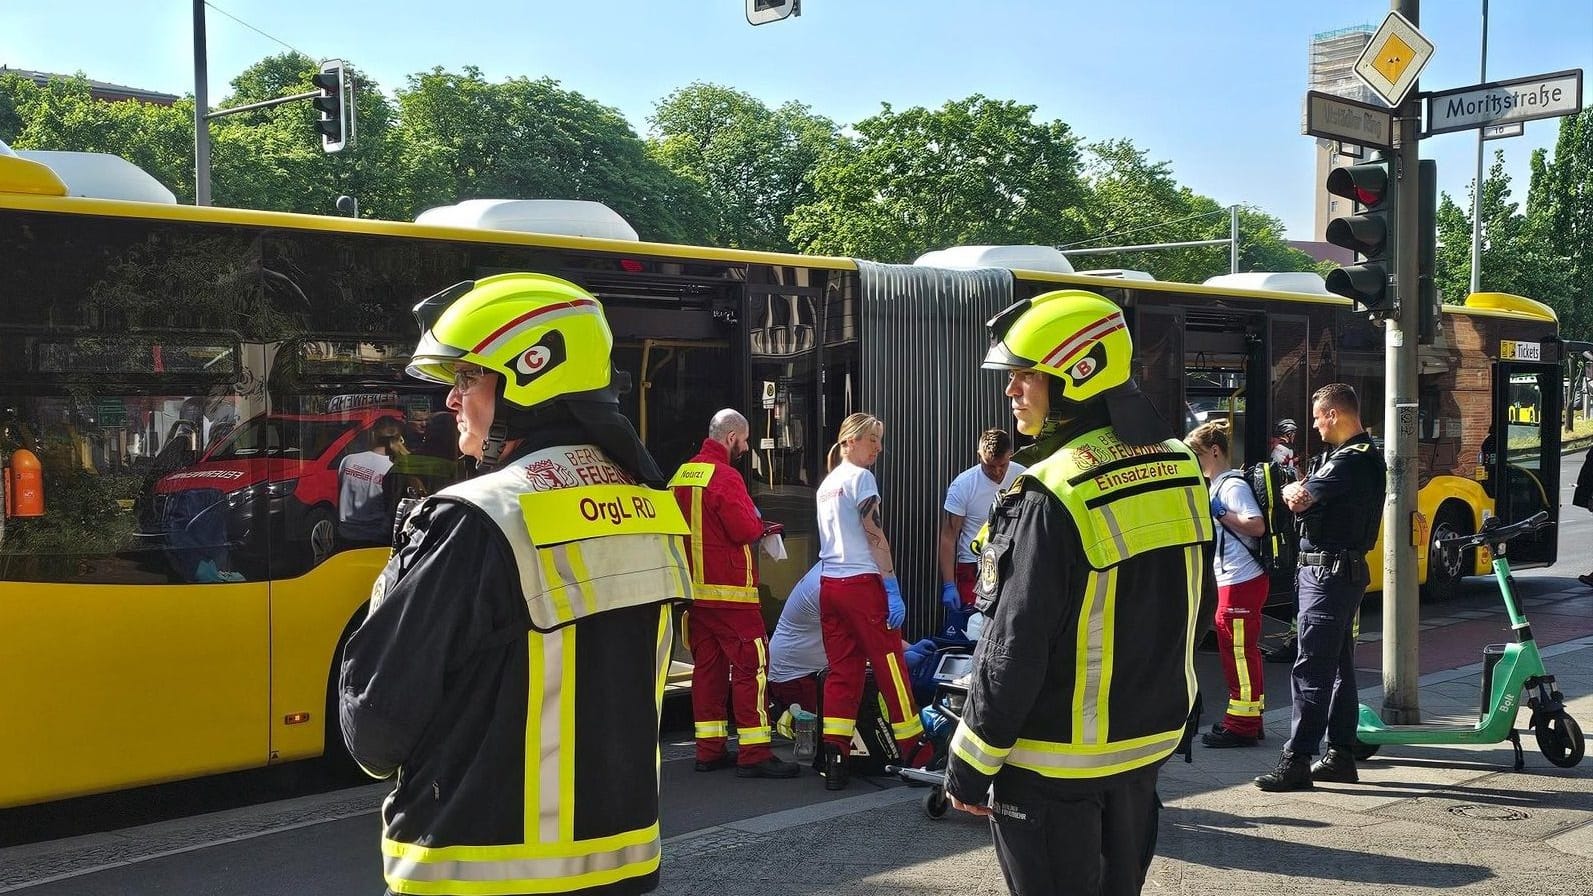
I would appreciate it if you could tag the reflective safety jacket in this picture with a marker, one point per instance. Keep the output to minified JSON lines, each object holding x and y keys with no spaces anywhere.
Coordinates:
{"x":725,"y":527}
{"x":1090,"y":576}
{"x":511,"y":670}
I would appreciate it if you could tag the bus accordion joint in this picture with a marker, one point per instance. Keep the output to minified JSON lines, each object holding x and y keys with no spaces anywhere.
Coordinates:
{"x":24,"y":484}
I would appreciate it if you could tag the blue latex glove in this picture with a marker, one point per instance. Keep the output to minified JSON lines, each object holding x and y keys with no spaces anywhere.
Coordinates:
{"x":897,"y":612}
{"x":1217,"y":507}
{"x":950,"y":597}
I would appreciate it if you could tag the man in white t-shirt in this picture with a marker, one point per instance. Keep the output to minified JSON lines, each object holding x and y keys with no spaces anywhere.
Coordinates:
{"x":362,"y":515}
{"x":967,"y":506}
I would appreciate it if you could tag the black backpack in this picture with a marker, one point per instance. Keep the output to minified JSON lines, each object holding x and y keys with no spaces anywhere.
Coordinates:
{"x":1279,"y":549}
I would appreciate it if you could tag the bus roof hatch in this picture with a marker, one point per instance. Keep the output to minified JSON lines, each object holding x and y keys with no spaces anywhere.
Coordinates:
{"x":100,"y":175}
{"x":1013,"y":258}
{"x":565,"y":217}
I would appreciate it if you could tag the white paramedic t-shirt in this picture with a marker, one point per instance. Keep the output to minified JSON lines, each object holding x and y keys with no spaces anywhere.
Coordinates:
{"x":1234,"y":562}
{"x":970,"y":496}
{"x":797,"y":646}
{"x":843,"y":545}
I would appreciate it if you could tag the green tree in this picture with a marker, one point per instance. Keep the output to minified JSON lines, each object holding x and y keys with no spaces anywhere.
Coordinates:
{"x":1560,"y":217}
{"x":1518,"y":256}
{"x":750,"y":162}
{"x":466,"y":138}
{"x":974,"y":171}
{"x":63,"y":115}
{"x":1136,"y":201}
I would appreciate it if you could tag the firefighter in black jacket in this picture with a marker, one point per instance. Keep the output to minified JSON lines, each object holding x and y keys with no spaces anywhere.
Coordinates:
{"x":1091,"y":570}
{"x":514,"y":654}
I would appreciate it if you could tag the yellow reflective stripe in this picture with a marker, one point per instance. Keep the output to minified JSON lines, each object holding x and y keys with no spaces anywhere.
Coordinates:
{"x":696,"y":536}
{"x":733,"y":594}
{"x":520,"y":868}
{"x":1103,"y":691}
{"x":763,"y":681}
{"x":841,"y":727}
{"x":1194,"y":582}
{"x":1087,"y":692}
{"x":972,"y":749}
{"x":558,"y":586}
{"x":666,"y":644}
{"x":1245,"y":708}
{"x":1246,"y":688}
{"x":1054,"y":760}
{"x":752,"y":736}
{"x":551,"y":746}
{"x":567,"y":746}
{"x":586,"y":593}
{"x":897,"y":677}
{"x":694,"y":475}
{"x":682,"y":569}
{"x":910,"y":728}
{"x":746,"y":553}
{"x":705,"y":730}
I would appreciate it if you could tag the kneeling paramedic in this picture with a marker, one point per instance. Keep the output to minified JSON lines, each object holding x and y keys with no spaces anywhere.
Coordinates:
{"x":1091,"y":571}
{"x":512,"y":663}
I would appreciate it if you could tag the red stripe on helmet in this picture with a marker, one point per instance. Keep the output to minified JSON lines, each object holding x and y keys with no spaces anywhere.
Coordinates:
{"x":527,"y":317}
{"x":1084,"y":338}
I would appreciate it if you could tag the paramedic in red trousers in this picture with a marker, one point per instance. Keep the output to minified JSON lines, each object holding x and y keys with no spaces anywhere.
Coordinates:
{"x":966,"y":508}
{"x":1242,"y":587}
{"x":729,"y":647}
{"x":860,"y":601}
{"x":510,"y":666}
{"x":1091,"y":572}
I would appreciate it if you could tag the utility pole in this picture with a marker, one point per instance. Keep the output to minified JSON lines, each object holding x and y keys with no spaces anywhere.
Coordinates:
{"x":1476,"y":198}
{"x":201,"y":110}
{"x":1401,"y":619}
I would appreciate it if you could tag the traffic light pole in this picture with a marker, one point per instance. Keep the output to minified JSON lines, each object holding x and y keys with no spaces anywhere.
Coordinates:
{"x":1401,"y":619}
{"x":201,"y":110}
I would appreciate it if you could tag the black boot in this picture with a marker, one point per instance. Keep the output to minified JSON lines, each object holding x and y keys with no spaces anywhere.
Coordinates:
{"x":836,"y":774}
{"x":1336,"y":767}
{"x":1293,"y":773}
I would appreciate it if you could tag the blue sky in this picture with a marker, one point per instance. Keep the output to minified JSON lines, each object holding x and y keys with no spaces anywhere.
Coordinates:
{"x":1213,"y":88}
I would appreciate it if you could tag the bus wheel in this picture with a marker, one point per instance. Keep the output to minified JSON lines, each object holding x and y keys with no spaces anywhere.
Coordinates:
{"x":1445,"y":569}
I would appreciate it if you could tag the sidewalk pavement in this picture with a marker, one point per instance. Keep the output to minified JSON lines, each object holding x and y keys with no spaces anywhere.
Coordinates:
{"x":1421,"y":820}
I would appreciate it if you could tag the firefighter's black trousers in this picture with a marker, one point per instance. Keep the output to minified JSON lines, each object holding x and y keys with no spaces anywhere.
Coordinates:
{"x":1060,"y":839}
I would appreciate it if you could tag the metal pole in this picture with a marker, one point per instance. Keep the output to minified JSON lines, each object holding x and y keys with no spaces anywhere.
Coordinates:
{"x":1401,"y":619}
{"x":201,"y":108}
{"x":1476,"y":198}
{"x":1233,"y":239}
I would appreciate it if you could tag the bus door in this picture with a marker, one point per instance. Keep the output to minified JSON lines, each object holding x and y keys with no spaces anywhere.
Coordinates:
{"x":1223,"y":359}
{"x":1525,"y":462}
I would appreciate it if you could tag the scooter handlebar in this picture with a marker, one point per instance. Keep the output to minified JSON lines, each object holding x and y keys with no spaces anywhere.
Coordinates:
{"x":1495,"y":533}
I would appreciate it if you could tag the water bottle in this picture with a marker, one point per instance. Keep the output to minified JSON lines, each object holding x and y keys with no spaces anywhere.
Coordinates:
{"x":805,"y":729}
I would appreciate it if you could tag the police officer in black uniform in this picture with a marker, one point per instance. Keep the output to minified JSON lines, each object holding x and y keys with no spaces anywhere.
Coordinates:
{"x":1340,"y":506}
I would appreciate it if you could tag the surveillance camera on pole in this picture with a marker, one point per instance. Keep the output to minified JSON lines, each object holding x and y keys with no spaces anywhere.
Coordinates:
{"x":762,"y":12}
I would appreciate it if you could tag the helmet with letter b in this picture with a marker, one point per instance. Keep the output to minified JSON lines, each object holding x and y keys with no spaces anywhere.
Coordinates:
{"x":1081,"y":341}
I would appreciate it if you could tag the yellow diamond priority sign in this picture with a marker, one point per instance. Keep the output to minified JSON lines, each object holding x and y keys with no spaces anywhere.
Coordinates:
{"x":1394,"y":58}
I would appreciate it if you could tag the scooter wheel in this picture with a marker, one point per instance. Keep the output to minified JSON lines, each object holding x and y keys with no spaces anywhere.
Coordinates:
{"x":936,"y":803}
{"x":1363,"y":750}
{"x":1560,"y":739}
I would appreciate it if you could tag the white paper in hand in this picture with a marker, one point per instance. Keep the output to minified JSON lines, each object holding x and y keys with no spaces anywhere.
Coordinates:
{"x":774,"y":546}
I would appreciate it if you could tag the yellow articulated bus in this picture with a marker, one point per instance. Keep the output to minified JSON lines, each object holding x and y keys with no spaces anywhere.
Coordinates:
{"x":195,"y":384}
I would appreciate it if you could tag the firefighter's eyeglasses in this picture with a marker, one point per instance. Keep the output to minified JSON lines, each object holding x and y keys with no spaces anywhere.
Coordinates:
{"x":465,"y":378}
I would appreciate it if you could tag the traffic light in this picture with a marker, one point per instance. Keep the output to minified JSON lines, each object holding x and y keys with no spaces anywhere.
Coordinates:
{"x":337,"y":113}
{"x":1369,"y":233}
{"x":1430,"y":319}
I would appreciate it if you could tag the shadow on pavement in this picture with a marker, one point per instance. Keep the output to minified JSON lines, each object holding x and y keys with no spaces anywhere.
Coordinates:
{"x":1210,"y":838}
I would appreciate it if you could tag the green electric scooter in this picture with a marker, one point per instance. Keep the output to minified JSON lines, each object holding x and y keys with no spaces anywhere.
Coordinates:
{"x":1507,"y":670}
